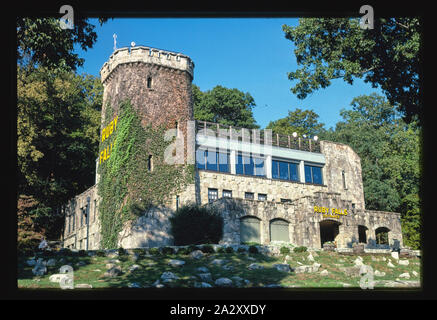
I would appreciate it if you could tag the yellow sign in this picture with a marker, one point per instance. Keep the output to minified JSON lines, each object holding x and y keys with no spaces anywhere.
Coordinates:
{"x":106,"y":133}
{"x":330,"y":212}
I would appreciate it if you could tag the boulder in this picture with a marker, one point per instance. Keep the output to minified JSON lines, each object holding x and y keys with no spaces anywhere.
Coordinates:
{"x":205,"y":277}
{"x":255,"y":266}
{"x":223,"y":282}
{"x":414,"y":273}
{"x":39,"y":269}
{"x":351,"y":271}
{"x":31,"y":262}
{"x":390,"y":265}
{"x":324,"y":273}
{"x":202,"y":285}
{"x":176,"y":263}
{"x":358,"y":261}
{"x":405,"y":275}
{"x":134,"y":267}
{"x":404,"y":262}
{"x":283,"y":267}
{"x":310,"y":257}
{"x":197,"y":254}
{"x":169,"y":276}
{"x":113,"y":272}
{"x":395,"y":255}
{"x":218,"y":262}
{"x":203,"y":269}
{"x":378,"y":273}
{"x":57,"y":277}
{"x":51,"y":262}
{"x":83,"y":286}
{"x":134,"y":285}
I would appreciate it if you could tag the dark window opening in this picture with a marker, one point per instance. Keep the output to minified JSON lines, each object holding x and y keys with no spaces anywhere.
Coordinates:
{"x":329,"y":230}
{"x":249,"y":195}
{"x":227,"y":193}
{"x":149,"y":82}
{"x":285,"y":200}
{"x":262,"y":197}
{"x":362,"y":237}
{"x":212,"y":195}
{"x":382,"y":235}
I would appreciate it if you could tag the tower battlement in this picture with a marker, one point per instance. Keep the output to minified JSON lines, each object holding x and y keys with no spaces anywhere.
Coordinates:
{"x":149,"y":55}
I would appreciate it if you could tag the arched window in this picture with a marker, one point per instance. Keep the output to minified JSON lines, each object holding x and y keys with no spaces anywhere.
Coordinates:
{"x":279,"y":230}
{"x":381,"y":235}
{"x":250,"y":229}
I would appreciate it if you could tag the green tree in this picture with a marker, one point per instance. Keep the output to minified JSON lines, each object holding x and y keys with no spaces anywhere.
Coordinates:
{"x":300,"y":121}
{"x":224,"y":106}
{"x":387,"y":56}
{"x":42,"y":42}
{"x":58,"y":124}
{"x":389,"y":150}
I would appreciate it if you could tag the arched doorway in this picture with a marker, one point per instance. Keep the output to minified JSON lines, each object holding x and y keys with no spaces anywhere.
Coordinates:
{"x":329,"y":230}
{"x":279,"y":230}
{"x":381,"y":235}
{"x":250,"y":229}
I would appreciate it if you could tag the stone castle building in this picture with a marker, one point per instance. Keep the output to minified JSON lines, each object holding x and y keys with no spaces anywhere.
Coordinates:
{"x":268,"y":188}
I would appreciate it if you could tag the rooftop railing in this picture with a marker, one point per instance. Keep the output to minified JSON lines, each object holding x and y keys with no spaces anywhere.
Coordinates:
{"x":257,"y":136}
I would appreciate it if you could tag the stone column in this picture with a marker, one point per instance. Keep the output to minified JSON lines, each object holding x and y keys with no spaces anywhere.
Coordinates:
{"x":232,"y":161}
{"x":301,"y":171}
{"x":268,"y":166}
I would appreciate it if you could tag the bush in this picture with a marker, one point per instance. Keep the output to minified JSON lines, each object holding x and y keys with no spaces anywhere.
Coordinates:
{"x":193,"y":224}
{"x":300,"y":249}
{"x":284,"y":250}
{"x":229,"y":250}
{"x":207,"y":249}
{"x":241,"y":250}
{"x":82,"y":253}
{"x":154,"y":251}
{"x":168,"y":250}
{"x":100,"y":253}
{"x":221,"y":250}
{"x":253,"y":249}
{"x":122,"y":252}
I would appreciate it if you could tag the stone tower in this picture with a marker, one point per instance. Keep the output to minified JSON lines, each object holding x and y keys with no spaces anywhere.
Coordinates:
{"x":157,"y":82}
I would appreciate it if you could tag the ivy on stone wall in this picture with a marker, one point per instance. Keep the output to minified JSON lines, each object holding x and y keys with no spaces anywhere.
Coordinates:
{"x":127,"y":188}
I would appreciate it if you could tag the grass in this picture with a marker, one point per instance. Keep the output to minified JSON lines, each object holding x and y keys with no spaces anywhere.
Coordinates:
{"x":152,"y":267}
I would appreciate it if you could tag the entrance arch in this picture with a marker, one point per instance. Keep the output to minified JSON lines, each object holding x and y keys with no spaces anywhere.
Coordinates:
{"x":279,"y":230}
{"x":250,"y":229}
{"x":381,"y":235}
{"x":329,"y":230}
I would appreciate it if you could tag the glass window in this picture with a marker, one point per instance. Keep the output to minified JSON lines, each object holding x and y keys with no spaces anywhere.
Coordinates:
{"x":223,"y":160}
{"x":212,"y":195}
{"x":275,"y":170}
{"x":248,"y":165}
{"x":294,"y":172}
{"x":285,"y":170}
{"x":211,"y":160}
{"x":259,"y":167}
{"x":227,"y":193}
{"x":249,"y":195}
{"x":200,"y":158}
{"x":313,"y":174}
{"x":262,"y":196}
{"x":239,"y":165}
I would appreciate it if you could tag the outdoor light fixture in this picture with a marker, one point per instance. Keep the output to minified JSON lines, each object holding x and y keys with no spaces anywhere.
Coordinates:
{"x":316,"y":138}
{"x":304,"y":135}
{"x":294,"y":134}
{"x":132,"y":44}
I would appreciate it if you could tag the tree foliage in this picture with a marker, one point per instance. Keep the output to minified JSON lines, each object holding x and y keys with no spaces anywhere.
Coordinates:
{"x":224,"y":106}
{"x":387,"y":56}
{"x":58,"y":121}
{"x":300,"y":121}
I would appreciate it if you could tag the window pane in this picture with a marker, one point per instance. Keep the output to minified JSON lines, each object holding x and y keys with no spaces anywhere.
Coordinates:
{"x":200,"y":159}
{"x":294,"y":175}
{"x":211,"y":160}
{"x":262,"y":197}
{"x":308,"y":177}
{"x":223,"y":162}
{"x":227,"y":193}
{"x":275,"y":171}
{"x":212,"y":195}
{"x":248,"y":165}
{"x":248,"y":195}
{"x":239,"y":164}
{"x":259,"y":167}
{"x":317,"y":175}
{"x":283,"y":170}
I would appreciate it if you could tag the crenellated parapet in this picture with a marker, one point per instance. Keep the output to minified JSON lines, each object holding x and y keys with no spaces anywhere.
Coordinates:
{"x":148,"y":55}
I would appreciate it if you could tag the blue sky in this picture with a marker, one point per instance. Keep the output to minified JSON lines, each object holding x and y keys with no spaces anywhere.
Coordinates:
{"x":250,"y":54}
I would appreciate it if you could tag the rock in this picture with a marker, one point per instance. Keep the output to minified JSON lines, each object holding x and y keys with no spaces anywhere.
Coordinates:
{"x":31,"y":262}
{"x":384,"y":259}
{"x":176,"y":263}
{"x":308,"y":268}
{"x":205,"y":277}
{"x":203,"y":269}
{"x":202,"y":285}
{"x":134,"y":285}
{"x":223,"y":282}
{"x":283,"y":267}
{"x":310,"y":257}
{"x":404,"y":262}
{"x":57,"y":277}
{"x":358,"y":262}
{"x":169,"y":275}
{"x":316,"y":266}
{"x":83,"y":286}
{"x":378,"y":273}
{"x":390,"y":265}
{"x":134,"y":267}
{"x":351,"y":271}
{"x":324,"y":273}
{"x":255,"y":266}
{"x":113,"y":261}
{"x":228,"y":267}
{"x":415,"y":273}
{"x":395,"y":255}
{"x":51,"y":262}
{"x":97,"y":270}
{"x":218,"y":262}
{"x":81,"y":263}
{"x":287,"y":258}
{"x":346,"y":285}
{"x":405,"y":275}
{"x":113,"y":272}
{"x":197,"y":254}
{"x":39,"y":270}
{"x":110,"y":265}
{"x":251,"y":258}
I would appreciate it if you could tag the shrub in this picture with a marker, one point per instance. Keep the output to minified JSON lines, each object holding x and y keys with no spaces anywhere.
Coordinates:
{"x":229,"y":250}
{"x":82,"y":253}
{"x":122,"y":252}
{"x":284,"y":250}
{"x":100,"y":253}
{"x":300,"y":249}
{"x":207,"y":248}
{"x":253,"y":249}
{"x":192,"y":248}
{"x":193,"y":224}
{"x":221,"y":250}
{"x":241,"y":250}
{"x":168,"y":250}
{"x":184,"y":251}
{"x":154,"y":251}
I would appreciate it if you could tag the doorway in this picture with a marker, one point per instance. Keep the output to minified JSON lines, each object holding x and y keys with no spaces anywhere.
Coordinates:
{"x":329,"y":230}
